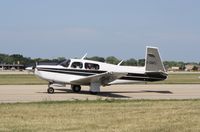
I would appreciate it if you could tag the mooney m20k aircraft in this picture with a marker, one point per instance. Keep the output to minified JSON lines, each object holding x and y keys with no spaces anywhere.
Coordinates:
{"x":79,"y":72}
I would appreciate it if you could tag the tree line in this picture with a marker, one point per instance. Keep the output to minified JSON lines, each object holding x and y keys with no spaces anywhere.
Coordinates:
{"x":27,"y":61}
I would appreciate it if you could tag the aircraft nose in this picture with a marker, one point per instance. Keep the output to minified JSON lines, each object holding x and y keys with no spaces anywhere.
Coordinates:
{"x":29,"y":68}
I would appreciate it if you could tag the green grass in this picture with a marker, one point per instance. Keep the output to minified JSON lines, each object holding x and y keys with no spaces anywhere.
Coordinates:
{"x":20,"y":79}
{"x":29,"y":79}
{"x":181,"y":78}
{"x":102,"y":116}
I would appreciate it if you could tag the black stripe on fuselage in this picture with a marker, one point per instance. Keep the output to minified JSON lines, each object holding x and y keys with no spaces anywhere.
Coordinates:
{"x":66,"y":71}
{"x":73,"y":70}
{"x":72,"y":73}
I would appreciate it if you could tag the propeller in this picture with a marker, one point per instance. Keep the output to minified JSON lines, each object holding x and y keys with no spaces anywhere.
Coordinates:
{"x":31,"y":68}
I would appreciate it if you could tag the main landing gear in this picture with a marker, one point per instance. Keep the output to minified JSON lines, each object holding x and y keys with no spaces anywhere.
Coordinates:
{"x":50,"y":90}
{"x":76,"y":88}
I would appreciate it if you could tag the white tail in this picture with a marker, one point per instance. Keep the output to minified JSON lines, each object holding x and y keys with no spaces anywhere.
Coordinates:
{"x":153,"y":60}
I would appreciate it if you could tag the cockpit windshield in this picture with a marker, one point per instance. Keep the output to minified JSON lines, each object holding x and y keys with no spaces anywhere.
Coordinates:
{"x":65,"y":63}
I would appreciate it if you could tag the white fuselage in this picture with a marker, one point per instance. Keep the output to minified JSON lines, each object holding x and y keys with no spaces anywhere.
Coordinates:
{"x":76,"y":69}
{"x":64,"y":75}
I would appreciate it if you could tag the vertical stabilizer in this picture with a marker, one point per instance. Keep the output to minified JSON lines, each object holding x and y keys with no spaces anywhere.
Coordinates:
{"x":153,"y":60}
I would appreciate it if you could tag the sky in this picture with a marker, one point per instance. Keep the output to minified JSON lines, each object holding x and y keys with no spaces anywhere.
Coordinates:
{"x":121,"y":28}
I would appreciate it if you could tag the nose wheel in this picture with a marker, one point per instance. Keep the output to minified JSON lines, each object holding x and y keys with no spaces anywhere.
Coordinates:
{"x":50,"y":90}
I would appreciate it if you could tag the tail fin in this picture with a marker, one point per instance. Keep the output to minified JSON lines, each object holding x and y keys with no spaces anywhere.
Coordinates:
{"x":153,"y":60}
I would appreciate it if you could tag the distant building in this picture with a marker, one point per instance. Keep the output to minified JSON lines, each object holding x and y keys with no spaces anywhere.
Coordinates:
{"x":12,"y":67}
{"x":174,"y":68}
{"x":191,"y":67}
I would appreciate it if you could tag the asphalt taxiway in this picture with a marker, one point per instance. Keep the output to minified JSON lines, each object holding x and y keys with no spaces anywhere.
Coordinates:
{"x":34,"y":93}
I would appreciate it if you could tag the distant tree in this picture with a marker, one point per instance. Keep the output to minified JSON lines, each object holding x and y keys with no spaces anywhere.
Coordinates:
{"x":195,"y":68}
{"x":181,"y":65}
{"x":169,"y":64}
{"x":39,"y":60}
{"x":130,"y":62}
{"x":141,"y":62}
{"x":27,"y":61}
{"x":96,"y":58}
{"x":8,"y":60}
{"x":61,"y":58}
{"x":17,"y":58}
{"x":2,"y":58}
{"x":112,"y":60}
{"x":58,"y":60}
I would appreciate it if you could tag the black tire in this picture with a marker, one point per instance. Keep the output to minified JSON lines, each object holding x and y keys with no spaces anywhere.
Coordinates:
{"x":76,"y":88}
{"x":50,"y":90}
{"x":93,"y":93}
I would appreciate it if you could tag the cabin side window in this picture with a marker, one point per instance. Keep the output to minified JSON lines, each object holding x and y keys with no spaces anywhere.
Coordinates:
{"x":91,"y":66}
{"x":77,"y":65}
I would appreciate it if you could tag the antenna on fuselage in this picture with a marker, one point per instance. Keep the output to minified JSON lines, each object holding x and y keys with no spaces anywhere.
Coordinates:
{"x":84,"y":57}
{"x":120,"y":62}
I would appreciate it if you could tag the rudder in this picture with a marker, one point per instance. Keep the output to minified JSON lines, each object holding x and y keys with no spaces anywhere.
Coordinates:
{"x":153,"y":60}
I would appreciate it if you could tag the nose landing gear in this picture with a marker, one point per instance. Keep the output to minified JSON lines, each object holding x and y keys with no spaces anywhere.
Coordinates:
{"x":50,"y":89}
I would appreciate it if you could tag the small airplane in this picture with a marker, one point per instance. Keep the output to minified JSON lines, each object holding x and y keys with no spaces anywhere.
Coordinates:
{"x":77,"y":72}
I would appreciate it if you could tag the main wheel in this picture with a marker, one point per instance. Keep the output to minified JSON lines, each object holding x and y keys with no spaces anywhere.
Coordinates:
{"x":50,"y":90}
{"x":76,"y":88}
{"x":94,"y":93}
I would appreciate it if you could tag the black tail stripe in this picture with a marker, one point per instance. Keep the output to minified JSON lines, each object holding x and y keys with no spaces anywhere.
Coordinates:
{"x":141,"y":79}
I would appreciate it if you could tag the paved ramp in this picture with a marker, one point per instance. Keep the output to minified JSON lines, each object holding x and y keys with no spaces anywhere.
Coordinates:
{"x":32,"y":93}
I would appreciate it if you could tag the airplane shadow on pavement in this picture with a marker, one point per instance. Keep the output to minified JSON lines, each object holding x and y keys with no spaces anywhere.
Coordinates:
{"x":101,"y":94}
{"x":113,"y":94}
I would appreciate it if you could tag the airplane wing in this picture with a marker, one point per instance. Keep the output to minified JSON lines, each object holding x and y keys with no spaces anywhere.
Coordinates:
{"x":103,"y":79}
